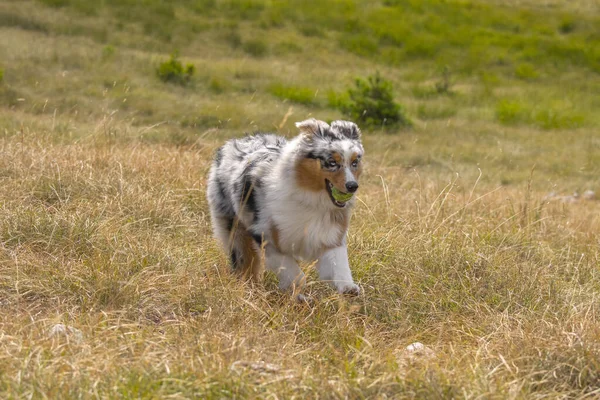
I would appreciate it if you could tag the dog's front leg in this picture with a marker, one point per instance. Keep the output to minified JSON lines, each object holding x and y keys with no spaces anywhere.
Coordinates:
{"x":333,"y":266}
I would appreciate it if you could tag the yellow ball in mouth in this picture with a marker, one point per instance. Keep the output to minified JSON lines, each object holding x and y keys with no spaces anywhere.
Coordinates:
{"x":341,"y":196}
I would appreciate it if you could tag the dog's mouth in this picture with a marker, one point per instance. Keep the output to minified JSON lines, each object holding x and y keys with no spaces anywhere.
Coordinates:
{"x":342,"y":198}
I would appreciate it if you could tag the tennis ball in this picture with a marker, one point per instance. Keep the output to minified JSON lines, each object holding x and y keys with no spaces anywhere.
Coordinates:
{"x":341,"y":196}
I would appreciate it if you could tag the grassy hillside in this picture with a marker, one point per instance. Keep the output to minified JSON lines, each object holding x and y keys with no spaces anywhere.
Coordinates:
{"x":455,"y":240}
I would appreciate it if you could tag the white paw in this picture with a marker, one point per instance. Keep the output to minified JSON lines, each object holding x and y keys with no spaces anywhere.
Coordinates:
{"x":351,"y":289}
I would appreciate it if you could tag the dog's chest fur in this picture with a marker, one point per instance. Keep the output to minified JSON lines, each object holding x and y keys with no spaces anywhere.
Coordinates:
{"x":308,"y":233}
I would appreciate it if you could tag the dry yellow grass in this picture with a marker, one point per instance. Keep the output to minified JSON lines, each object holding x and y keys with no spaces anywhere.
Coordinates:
{"x":114,"y":240}
{"x":104,"y":225}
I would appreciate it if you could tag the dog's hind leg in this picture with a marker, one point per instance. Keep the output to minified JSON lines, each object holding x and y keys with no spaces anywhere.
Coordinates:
{"x":238,"y":244}
{"x":245,"y":259}
{"x":222,"y":226}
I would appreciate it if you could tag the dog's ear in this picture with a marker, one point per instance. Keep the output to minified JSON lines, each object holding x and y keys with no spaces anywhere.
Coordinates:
{"x":312,"y":126}
{"x":346,"y":128}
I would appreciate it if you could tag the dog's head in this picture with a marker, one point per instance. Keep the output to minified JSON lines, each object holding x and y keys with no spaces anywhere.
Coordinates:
{"x":330,"y":159}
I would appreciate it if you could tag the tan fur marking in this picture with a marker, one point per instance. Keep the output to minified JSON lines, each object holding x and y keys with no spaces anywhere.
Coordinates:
{"x":338,"y":178}
{"x":337,"y":157}
{"x":275,"y":236}
{"x":309,"y":175}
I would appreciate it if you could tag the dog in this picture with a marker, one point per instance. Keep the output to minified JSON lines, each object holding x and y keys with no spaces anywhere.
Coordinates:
{"x":273,"y":202}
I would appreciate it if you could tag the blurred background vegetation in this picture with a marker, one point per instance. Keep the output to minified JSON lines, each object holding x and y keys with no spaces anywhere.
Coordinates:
{"x":498,"y":85}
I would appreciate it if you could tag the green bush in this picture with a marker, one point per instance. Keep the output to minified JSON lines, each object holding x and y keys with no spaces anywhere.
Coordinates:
{"x":173,"y":71}
{"x":371,"y":102}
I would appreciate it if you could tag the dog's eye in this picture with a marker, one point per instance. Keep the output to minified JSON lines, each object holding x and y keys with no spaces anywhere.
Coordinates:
{"x":331,"y":163}
{"x":355,"y":163}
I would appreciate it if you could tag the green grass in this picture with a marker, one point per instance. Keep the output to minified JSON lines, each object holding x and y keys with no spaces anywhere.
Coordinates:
{"x":526,"y":71}
{"x":293,"y":93}
{"x":546,"y":117}
{"x":104,"y":224}
{"x":435,"y":112}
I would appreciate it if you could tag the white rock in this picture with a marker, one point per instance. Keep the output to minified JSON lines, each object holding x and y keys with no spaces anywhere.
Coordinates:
{"x":415,"y":346}
{"x":416,"y":351}
{"x":414,"y":355}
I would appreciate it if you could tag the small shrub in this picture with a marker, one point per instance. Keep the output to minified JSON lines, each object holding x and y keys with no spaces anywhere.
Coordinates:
{"x":173,"y":71}
{"x":255,"y":47}
{"x":372,"y":103}
{"x":293,"y":93}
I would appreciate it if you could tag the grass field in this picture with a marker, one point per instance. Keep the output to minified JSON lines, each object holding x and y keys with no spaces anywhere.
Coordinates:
{"x":455,"y":240}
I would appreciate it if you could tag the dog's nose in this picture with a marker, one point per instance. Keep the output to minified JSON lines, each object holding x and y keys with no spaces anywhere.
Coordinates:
{"x":351,"y":186}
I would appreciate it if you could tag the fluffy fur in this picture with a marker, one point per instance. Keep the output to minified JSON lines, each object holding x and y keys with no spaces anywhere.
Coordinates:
{"x":271,"y":203}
